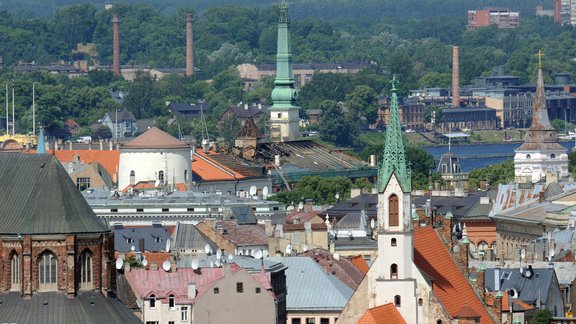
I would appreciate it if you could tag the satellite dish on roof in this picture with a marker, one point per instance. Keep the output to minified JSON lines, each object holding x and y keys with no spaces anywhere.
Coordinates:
{"x":337,"y":256}
{"x":218,"y":254}
{"x":166,"y":265}
{"x":290,"y":208}
{"x":300,"y":205}
{"x":551,"y":254}
{"x":195,"y":263}
{"x":305,"y":247}
{"x":258,"y":254}
{"x":265,"y":192}
{"x":230,"y":257}
{"x":253,"y":190}
{"x":132,"y":248}
{"x":217,"y":263}
{"x":144,"y":262}
{"x":265,"y":253}
{"x":207,"y":248}
{"x":119,"y":263}
{"x":523,"y":254}
{"x":157,"y":183}
{"x":372,"y":223}
{"x":289,"y":249}
{"x":167,"y":245}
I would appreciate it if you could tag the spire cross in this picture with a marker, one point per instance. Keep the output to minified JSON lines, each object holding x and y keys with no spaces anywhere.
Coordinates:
{"x":540,"y":54}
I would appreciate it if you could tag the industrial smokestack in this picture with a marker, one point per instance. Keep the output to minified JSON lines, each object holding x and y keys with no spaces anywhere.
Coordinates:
{"x":455,"y":78}
{"x":116,"y":46}
{"x":189,"y":46}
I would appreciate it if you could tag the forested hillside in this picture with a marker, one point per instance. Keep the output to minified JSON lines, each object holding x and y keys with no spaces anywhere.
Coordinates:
{"x":327,"y":9}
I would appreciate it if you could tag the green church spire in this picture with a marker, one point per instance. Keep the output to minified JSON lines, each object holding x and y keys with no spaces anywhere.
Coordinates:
{"x":284,"y":93}
{"x":394,"y":160}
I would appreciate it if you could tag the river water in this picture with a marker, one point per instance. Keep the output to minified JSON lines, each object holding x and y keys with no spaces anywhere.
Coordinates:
{"x":475,"y":156}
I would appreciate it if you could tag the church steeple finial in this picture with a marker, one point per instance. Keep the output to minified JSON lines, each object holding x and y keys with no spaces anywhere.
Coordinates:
{"x":540,"y":54}
{"x":284,"y":118}
{"x":394,"y":160}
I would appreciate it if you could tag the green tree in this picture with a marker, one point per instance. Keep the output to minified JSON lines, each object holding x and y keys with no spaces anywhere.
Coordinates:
{"x":501,"y":173}
{"x":75,"y":24}
{"x":543,"y":316}
{"x":362,"y":106}
{"x":141,"y":93}
{"x":433,"y":114}
{"x":334,"y":127}
{"x":101,"y":132}
{"x":321,"y":190}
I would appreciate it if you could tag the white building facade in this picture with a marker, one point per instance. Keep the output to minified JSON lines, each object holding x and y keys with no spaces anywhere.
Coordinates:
{"x":155,"y":157}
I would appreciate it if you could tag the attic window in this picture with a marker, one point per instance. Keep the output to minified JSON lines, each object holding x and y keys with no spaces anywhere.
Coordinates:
{"x":139,"y":210}
{"x":114,"y":210}
{"x":190,"y":209}
{"x":158,"y":239}
{"x":165,"y":209}
{"x":129,"y":240}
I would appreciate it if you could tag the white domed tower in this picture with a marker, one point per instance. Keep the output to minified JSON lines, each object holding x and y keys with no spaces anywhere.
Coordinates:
{"x":541,"y":152}
{"x":157,"y":157}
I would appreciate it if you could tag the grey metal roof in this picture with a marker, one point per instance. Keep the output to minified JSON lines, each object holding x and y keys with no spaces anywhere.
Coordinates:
{"x":310,"y":288}
{"x":249,"y":264}
{"x":530,"y":289}
{"x":188,"y":237}
{"x":149,"y":238}
{"x":565,"y":271}
{"x":53,"y":307}
{"x":38,"y":197}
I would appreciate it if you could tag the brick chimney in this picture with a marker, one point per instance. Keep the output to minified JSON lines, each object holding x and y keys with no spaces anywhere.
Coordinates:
{"x":116,"y":46}
{"x":189,"y":46}
{"x":455,"y":78}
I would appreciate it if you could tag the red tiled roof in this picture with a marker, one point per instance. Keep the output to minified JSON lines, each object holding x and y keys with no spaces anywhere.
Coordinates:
{"x":300,"y":227}
{"x":210,"y":170}
{"x":181,"y":187}
{"x":385,"y":314}
{"x":467,"y":312}
{"x":359,"y":262}
{"x":449,"y":284}
{"x":109,"y":159}
{"x":155,"y":138}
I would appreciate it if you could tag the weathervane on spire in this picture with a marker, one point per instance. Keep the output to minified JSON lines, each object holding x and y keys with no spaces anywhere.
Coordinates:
{"x":540,"y":54}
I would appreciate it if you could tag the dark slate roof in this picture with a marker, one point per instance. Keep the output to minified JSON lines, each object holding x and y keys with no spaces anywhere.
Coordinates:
{"x":250,"y":111}
{"x":366,"y":202}
{"x":244,"y":215}
{"x":461,"y":207}
{"x":122,"y":116}
{"x":529,"y":289}
{"x":190,"y":238}
{"x":185,"y":108}
{"x":143,"y":238}
{"x":38,"y":197}
{"x":53,"y":307}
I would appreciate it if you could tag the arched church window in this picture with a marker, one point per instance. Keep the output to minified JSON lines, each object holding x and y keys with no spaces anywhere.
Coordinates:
{"x":552,"y":156}
{"x":397,"y":300}
{"x":394,"y":271}
{"x":528,"y":156}
{"x":393,"y":210}
{"x":161,"y":177}
{"x":185,"y":175}
{"x":86,"y":271}
{"x":15,"y":274}
{"x":132,"y":177}
{"x":444,"y":168}
{"x":393,"y":242}
{"x":47,"y":275}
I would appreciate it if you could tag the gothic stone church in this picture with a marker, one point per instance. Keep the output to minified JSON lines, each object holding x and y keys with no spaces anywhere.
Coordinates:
{"x":53,"y":249}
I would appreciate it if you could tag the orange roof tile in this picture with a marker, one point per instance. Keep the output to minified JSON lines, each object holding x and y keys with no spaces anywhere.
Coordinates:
{"x":155,"y":138}
{"x":210,"y":170}
{"x":359,"y":262}
{"x":181,"y":187}
{"x":385,"y":314}
{"x":449,"y":284}
{"x":109,"y":159}
{"x":467,"y":312}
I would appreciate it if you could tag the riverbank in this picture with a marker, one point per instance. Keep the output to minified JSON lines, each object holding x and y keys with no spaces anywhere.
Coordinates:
{"x":427,"y":139}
